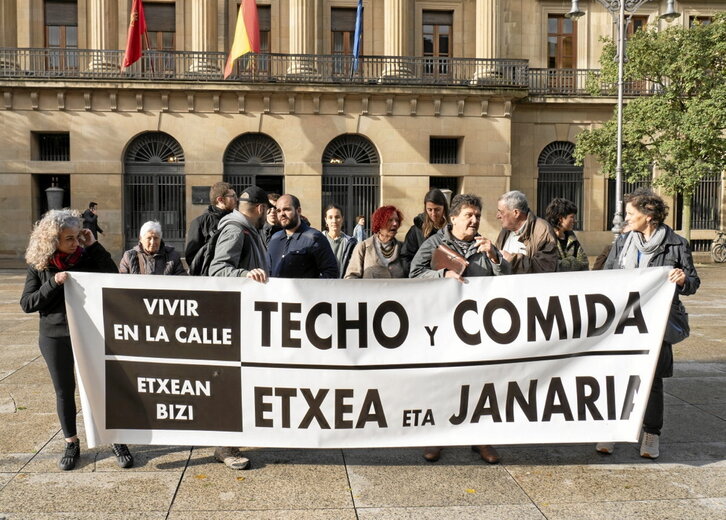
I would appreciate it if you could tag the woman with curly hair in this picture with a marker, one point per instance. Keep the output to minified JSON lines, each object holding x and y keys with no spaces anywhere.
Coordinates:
{"x":560,"y":213}
{"x":380,"y":255}
{"x":59,"y":245}
{"x":650,"y":243}
{"x":151,"y":255}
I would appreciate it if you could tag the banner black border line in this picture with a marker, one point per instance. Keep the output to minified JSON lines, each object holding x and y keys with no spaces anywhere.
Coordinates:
{"x":252,"y":364}
{"x":170,"y":360}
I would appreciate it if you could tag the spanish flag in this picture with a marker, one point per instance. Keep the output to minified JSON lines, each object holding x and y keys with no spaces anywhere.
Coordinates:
{"x":246,"y":34}
{"x":137,"y":28}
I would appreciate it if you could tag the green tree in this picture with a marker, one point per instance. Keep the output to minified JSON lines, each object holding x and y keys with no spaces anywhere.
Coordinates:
{"x":681,"y":127}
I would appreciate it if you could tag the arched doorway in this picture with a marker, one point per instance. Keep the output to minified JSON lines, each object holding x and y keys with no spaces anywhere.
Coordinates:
{"x":254,"y":159}
{"x":559,"y":177}
{"x":154,"y":188}
{"x":351,"y":177}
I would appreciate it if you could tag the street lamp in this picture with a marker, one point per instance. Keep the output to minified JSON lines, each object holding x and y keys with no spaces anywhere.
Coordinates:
{"x":618,"y":8}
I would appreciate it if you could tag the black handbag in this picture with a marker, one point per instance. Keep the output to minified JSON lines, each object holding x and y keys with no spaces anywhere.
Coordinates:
{"x":677,"y":328}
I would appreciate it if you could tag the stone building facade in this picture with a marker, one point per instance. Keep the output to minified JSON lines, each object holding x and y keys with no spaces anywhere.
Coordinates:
{"x":477,"y":96}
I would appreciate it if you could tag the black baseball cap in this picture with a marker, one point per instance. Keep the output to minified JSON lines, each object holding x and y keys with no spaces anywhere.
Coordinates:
{"x":254,"y":195}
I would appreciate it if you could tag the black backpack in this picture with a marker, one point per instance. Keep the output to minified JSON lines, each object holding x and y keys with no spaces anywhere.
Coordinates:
{"x":203,"y":258}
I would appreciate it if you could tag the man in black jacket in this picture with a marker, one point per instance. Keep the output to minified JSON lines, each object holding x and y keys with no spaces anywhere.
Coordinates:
{"x":223,"y":200}
{"x":90,"y":220}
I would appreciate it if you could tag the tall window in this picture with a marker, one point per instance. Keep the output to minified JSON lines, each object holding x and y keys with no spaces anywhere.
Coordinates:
{"x":561,"y":42}
{"x":263,"y":16}
{"x":342,"y":38}
{"x":637,"y":23}
{"x":61,"y":32}
{"x":437,"y":37}
{"x":161,"y":25}
{"x":703,"y":20}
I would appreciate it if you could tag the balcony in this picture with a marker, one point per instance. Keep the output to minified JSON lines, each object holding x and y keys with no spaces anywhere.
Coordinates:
{"x":576,"y":82}
{"x":175,"y":66}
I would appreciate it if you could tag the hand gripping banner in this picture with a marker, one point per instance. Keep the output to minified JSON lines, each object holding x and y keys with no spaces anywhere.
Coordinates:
{"x":546,"y":358}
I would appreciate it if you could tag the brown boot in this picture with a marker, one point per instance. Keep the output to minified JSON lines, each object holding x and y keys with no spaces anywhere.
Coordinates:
{"x":432,"y":454}
{"x":487,"y":453}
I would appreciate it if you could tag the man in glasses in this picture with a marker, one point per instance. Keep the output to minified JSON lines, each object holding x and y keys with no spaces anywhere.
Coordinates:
{"x":223,"y":200}
{"x":272,"y":225}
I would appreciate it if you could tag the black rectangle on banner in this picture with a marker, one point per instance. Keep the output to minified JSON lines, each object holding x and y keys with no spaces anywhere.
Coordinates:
{"x":162,"y":396}
{"x":172,"y":324}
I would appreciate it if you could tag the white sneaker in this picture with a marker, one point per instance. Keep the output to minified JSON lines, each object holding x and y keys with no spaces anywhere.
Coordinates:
{"x":605,"y":447}
{"x":649,"y":448}
{"x":232,"y":458}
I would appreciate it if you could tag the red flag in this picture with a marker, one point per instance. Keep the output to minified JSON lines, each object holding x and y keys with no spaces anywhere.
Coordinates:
{"x":137,"y":28}
{"x":246,"y":34}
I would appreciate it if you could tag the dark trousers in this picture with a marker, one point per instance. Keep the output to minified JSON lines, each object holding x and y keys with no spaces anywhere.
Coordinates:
{"x":653,"y":420}
{"x":58,"y":355}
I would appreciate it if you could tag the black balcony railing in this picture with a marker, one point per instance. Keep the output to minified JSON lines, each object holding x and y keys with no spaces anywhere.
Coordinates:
{"x":157,"y":66}
{"x":262,"y":68}
{"x":576,"y":82}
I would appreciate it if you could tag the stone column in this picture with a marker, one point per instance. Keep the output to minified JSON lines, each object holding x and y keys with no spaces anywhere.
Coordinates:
{"x":302,"y":37}
{"x":204,"y":25}
{"x":396,"y":30}
{"x":101,"y":35}
{"x":8,"y":33}
{"x":488,"y":29}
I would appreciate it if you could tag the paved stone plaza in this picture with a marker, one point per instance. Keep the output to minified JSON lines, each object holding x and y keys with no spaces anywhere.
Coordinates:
{"x":533,"y":482}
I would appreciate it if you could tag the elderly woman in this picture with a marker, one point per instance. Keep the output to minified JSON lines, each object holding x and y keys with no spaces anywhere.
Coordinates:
{"x":151,"y":255}
{"x":341,"y":244}
{"x":59,"y":245}
{"x":650,"y":243}
{"x":560,"y":213}
{"x":380,"y":255}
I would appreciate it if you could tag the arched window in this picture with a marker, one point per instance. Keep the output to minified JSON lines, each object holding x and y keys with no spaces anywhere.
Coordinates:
{"x":154,"y":188}
{"x":351,"y":177}
{"x":559,"y":177}
{"x":254,"y":159}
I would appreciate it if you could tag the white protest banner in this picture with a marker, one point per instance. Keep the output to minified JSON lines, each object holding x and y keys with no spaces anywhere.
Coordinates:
{"x":563,"y":357}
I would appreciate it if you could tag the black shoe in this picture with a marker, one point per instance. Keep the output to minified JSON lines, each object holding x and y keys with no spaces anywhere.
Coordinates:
{"x":70,"y":456}
{"x":123,"y":456}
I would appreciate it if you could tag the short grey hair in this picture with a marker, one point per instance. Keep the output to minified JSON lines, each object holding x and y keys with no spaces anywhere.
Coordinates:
{"x":515,"y":200}
{"x":151,"y":225}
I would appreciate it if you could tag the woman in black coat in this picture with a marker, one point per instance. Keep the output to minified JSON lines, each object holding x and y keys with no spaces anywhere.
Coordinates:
{"x":59,"y":245}
{"x":650,"y":243}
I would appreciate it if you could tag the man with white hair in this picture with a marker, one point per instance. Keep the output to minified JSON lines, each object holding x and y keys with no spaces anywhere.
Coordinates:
{"x":526,"y":241}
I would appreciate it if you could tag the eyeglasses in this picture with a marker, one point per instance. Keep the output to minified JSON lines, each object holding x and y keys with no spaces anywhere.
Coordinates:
{"x":230,"y":196}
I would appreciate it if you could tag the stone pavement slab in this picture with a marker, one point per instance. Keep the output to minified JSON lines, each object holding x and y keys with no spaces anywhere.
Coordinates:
{"x":692,"y":509}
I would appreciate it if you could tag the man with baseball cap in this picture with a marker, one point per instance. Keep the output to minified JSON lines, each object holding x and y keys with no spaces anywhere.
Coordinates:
{"x":241,"y":252}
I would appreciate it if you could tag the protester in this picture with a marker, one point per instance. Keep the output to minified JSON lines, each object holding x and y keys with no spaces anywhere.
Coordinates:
{"x":59,"y":245}
{"x":271,"y":225}
{"x":241,"y":252}
{"x":526,"y":241}
{"x":223,"y":200}
{"x":462,"y":235}
{"x":341,"y":244}
{"x":359,"y":231}
{"x":299,"y":251}
{"x":560,"y":213}
{"x":380,"y":255}
{"x":651,"y":243}
{"x":151,"y":255}
{"x":90,"y":219}
{"x":426,"y":224}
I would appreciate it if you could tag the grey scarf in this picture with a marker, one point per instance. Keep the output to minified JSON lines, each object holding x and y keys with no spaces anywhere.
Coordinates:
{"x":637,"y":252}
{"x":379,"y":247}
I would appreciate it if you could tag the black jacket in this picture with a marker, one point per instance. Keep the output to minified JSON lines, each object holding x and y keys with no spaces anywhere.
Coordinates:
{"x":41,"y":293}
{"x":90,"y":221}
{"x":200,"y":229}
